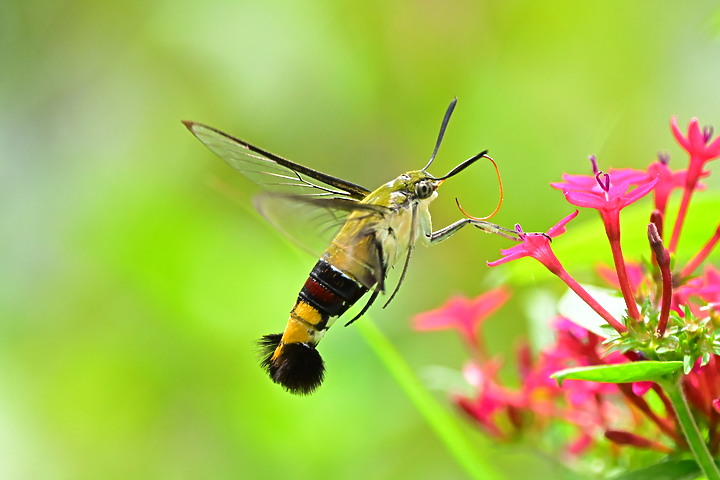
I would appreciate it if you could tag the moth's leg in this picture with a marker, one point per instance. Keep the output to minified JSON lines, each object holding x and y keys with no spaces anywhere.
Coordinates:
{"x":487,"y":227}
{"x":380,"y":270}
{"x":493,"y":228}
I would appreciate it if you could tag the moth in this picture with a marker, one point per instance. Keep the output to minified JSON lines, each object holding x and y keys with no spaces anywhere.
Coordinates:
{"x":374,"y":230}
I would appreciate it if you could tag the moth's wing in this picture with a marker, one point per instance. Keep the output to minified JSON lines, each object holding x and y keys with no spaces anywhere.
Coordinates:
{"x":313,"y":222}
{"x":272,"y":172}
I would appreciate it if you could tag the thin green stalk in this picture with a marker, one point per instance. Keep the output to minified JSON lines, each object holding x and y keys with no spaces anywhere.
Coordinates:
{"x":444,"y":425}
{"x":674,"y":390}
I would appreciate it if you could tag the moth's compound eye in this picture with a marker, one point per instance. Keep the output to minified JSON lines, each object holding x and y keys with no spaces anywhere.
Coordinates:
{"x":423,"y":190}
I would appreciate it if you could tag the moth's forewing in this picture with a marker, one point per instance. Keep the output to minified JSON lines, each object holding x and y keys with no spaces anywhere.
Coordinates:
{"x":272,"y":172}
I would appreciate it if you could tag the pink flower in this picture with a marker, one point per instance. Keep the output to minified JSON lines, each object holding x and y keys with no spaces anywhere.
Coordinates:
{"x":463,"y":314}
{"x":608,"y":196}
{"x":576,"y":347}
{"x":636,"y":275}
{"x":702,"y":255}
{"x":491,"y":400}
{"x":702,"y":387}
{"x":536,"y":245}
{"x":581,"y":444}
{"x":667,"y":182}
{"x":504,"y":412}
{"x":607,"y":193}
{"x":706,"y":287}
{"x":709,"y":291}
{"x":696,"y":142}
{"x":482,"y":409}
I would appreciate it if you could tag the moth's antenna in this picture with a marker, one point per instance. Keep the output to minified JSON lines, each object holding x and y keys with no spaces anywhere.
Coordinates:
{"x":465,"y":164}
{"x":443,"y":126}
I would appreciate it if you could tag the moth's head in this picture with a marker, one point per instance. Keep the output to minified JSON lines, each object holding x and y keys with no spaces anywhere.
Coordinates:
{"x":420,"y":185}
{"x":415,"y":185}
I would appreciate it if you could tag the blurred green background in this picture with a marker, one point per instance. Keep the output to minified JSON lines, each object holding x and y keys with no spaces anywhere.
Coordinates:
{"x":133,"y":287}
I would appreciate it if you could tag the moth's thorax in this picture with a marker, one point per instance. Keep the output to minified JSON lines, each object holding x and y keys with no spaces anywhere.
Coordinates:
{"x":395,"y":230}
{"x":354,"y":250}
{"x":397,"y":234}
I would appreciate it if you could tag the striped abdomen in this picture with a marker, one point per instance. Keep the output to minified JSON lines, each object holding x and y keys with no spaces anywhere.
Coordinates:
{"x":336,"y":283}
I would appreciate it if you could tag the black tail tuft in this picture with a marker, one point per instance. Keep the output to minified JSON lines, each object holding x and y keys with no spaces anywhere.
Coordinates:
{"x":268,"y":344}
{"x":299,"y":368}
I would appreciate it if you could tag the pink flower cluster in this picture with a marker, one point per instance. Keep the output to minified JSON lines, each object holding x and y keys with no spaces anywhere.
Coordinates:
{"x":672,"y":312}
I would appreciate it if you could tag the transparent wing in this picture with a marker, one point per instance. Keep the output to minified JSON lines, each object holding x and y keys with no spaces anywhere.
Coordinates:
{"x":313,"y":222}
{"x":272,"y":172}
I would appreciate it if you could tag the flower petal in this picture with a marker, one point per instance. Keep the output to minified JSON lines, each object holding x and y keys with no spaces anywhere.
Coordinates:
{"x":584,"y":199}
{"x":713,"y":150}
{"x":678,"y":134}
{"x":695,"y":135}
{"x":509,"y":257}
{"x":486,"y":304}
{"x":559,"y":228}
{"x":638,"y":192}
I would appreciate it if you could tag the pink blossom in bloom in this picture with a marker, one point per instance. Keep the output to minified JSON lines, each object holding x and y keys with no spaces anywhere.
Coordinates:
{"x":709,"y":289}
{"x":701,"y":149}
{"x":668,"y":181}
{"x":493,"y":405}
{"x":576,"y":347}
{"x":496,"y":408}
{"x":702,"y":255}
{"x":608,"y":195}
{"x":636,"y":275}
{"x":701,"y":294}
{"x":463,"y":314}
{"x":536,"y":245}
{"x":581,"y":444}
{"x":702,"y":387}
{"x":697,"y":143}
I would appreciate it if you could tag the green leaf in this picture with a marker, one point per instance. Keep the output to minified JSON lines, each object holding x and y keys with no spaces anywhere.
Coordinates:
{"x":688,"y":363}
{"x":670,"y":470}
{"x":619,"y":373}
{"x":705,"y":359}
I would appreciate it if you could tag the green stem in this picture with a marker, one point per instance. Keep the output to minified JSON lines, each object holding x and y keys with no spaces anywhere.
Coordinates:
{"x":444,"y":425}
{"x":674,"y":390}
